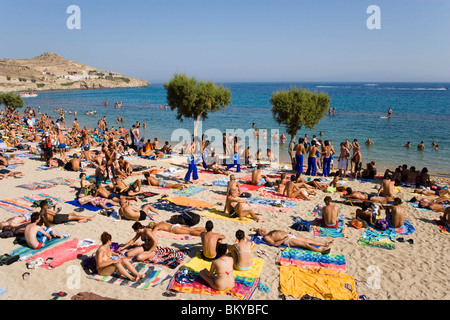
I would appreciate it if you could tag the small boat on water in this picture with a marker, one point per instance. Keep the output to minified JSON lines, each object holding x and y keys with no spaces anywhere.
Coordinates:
{"x":28,"y":94}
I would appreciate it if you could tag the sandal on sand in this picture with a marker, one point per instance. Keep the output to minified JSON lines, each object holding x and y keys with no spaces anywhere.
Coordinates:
{"x":169,"y":293}
{"x":80,"y":209}
{"x":401,"y":240}
{"x":56,"y":295}
{"x":25,"y":275}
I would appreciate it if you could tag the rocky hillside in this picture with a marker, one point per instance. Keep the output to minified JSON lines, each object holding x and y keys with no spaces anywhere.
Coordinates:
{"x":50,"y":71}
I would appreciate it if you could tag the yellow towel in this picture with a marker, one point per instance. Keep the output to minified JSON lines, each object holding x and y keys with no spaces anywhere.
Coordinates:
{"x":197,"y":264}
{"x":321,"y":283}
{"x":187,"y":202}
{"x":214,"y":213}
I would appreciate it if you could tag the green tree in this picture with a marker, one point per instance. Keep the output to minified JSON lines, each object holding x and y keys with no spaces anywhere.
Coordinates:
{"x":295,"y":108}
{"x":194,"y":99}
{"x":11,"y":100}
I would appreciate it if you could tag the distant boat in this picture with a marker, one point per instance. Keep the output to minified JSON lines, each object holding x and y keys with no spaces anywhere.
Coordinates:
{"x":28,"y":94}
{"x":446,"y":88}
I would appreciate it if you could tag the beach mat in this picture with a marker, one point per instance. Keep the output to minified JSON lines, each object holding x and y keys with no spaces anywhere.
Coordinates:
{"x":379,"y":239}
{"x":169,"y":257}
{"x":217,"y":214}
{"x":250,"y":187}
{"x":170,"y":207}
{"x":193,"y":190}
{"x":187,"y":202}
{"x":320,"y":231}
{"x":25,"y":252}
{"x":271,"y":202}
{"x":312,"y":260}
{"x":67,"y":251}
{"x":36,"y":186}
{"x":320,"y":283}
{"x":23,"y":206}
{"x":246,"y":282}
{"x":154,"y":275}
{"x":86,"y":206}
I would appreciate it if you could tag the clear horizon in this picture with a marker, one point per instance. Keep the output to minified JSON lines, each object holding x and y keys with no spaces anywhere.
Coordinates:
{"x":232,"y":41}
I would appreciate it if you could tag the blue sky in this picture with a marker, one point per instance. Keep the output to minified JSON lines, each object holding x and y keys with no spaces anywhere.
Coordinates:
{"x":247,"y":40}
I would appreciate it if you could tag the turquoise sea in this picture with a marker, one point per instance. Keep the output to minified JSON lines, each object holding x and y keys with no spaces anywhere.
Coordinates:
{"x":421,"y":112}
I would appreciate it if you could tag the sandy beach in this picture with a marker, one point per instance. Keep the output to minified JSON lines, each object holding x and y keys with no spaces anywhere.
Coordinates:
{"x":408,"y":272}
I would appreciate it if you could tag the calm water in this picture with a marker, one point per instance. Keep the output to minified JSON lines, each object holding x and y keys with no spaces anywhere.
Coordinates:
{"x":421,"y":111}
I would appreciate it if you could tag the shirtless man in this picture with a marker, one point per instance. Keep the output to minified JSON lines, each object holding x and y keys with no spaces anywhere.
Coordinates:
{"x":130,"y":212}
{"x":73,"y":164}
{"x":105,"y":193}
{"x":329,"y":214}
{"x":440,"y":193}
{"x":152,"y":181}
{"x":210,"y":240}
{"x":299,"y":152}
{"x":258,"y":178}
{"x":433,"y":204}
{"x":107,"y":261}
{"x":421,"y":146}
{"x":312,"y":159}
{"x":355,"y":195}
{"x":355,"y":160}
{"x":62,"y":143}
{"x":125,"y":168}
{"x":292,"y":190}
{"x":396,"y":213}
{"x":411,"y":178}
{"x":238,"y":209}
{"x":59,"y":218}
{"x":147,"y":250}
{"x":343,"y":160}
{"x":175,"y":228}
{"x":386,"y":193}
{"x":36,"y":236}
{"x":328,"y":151}
{"x":220,"y":276}
{"x":121,"y":187}
{"x":279,"y":237}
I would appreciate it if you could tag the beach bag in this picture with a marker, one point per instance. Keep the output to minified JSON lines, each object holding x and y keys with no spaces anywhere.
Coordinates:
{"x":191,"y":218}
{"x":382,"y":225}
{"x":90,"y":264}
{"x":356,"y":223}
{"x":177,"y":219}
{"x":245,"y":195}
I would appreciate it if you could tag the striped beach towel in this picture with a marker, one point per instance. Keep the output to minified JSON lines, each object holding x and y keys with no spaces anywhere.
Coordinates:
{"x":276,"y":195}
{"x":312,"y":260}
{"x":154,"y":275}
{"x":193,"y":190}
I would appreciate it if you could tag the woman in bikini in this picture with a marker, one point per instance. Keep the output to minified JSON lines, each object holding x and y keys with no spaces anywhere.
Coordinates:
{"x":220,"y":276}
{"x":233,"y":187}
{"x":145,"y":251}
{"x":108,"y":262}
{"x":241,"y":252}
{"x":175,"y":228}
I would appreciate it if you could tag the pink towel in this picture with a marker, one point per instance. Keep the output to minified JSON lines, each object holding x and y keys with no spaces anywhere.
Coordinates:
{"x":62,"y":253}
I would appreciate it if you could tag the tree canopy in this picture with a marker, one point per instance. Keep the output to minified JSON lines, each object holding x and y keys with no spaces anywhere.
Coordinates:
{"x":193,"y":99}
{"x":297,"y":107}
{"x":11,"y":100}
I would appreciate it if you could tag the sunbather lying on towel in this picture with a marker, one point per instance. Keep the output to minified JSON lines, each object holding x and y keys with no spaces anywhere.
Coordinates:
{"x":50,"y":216}
{"x":121,"y":187}
{"x":130,"y":212}
{"x":175,"y":228}
{"x":438,"y":205}
{"x":152,"y":181}
{"x":235,"y":207}
{"x":279,"y":237}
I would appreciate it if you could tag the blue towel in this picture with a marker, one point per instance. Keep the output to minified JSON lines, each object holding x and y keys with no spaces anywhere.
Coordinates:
{"x":87,"y":206}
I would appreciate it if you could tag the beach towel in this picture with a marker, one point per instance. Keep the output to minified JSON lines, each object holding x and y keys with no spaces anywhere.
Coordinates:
{"x":187,"y":202}
{"x":86,"y":206}
{"x":62,"y":181}
{"x":271,"y":202}
{"x":170,"y":207}
{"x":171,"y":235}
{"x":316,"y":211}
{"x":223,"y":182}
{"x":192,"y":190}
{"x":154,"y":275}
{"x":444,"y":229}
{"x":320,"y":283}
{"x":276,"y":195}
{"x":257,"y":206}
{"x":45,"y":168}
{"x":217,"y":214}
{"x":259,"y":240}
{"x":250,"y":187}
{"x":169,"y":257}
{"x":26,"y":252}
{"x":406,"y":228}
{"x":320,"y":231}
{"x":416,"y":206}
{"x":312,"y":260}
{"x":36,"y":186}
{"x":23,"y":206}
{"x":379,"y":239}
{"x":246,"y":282}
{"x":67,"y":251}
